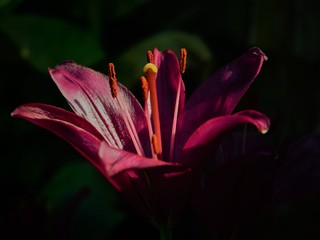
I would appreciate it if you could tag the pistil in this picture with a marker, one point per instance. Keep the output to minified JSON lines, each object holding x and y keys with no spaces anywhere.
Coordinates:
{"x":150,"y":71}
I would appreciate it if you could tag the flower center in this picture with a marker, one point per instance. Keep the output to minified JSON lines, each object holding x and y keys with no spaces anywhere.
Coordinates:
{"x":151,"y":107}
{"x":149,"y":85}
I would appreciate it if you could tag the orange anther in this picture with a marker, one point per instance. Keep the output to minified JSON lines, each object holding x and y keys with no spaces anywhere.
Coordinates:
{"x":150,"y":58}
{"x":112,"y":80}
{"x":145,"y":88}
{"x":183,"y":60}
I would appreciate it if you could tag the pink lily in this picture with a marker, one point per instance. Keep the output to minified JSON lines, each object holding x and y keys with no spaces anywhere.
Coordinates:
{"x":153,"y":155}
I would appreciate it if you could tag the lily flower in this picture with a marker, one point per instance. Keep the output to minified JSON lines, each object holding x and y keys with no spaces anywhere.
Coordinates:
{"x":152,"y":152}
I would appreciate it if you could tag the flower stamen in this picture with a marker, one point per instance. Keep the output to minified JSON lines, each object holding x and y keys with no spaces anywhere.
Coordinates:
{"x":183,"y":65}
{"x":150,"y":58}
{"x":145,"y":93}
{"x":183,"y":60}
{"x":145,"y":88}
{"x":112,"y":80}
{"x":174,"y":123}
{"x":124,"y":111}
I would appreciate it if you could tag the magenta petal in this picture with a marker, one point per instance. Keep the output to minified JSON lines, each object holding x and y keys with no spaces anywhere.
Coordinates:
{"x":220,"y":94}
{"x":83,"y":137}
{"x":88,"y":93}
{"x":70,"y":127}
{"x":168,"y":81}
{"x":43,"y":114}
{"x":202,"y":141}
{"x":116,"y":160}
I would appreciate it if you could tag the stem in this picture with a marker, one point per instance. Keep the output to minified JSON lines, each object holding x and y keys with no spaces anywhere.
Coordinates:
{"x":166,"y":233}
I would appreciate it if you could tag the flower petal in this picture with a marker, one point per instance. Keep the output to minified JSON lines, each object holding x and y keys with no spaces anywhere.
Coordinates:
{"x":88,"y":93}
{"x":86,"y":139}
{"x":47,"y":116}
{"x":116,"y":161}
{"x":220,"y":94}
{"x":168,"y":81}
{"x":75,"y":130}
{"x":70,"y":127}
{"x":297,"y":172}
{"x":203,"y":140}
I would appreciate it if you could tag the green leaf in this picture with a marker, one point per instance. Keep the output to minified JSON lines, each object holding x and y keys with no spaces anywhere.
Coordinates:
{"x":8,"y":5}
{"x":79,"y":185}
{"x":123,"y":7}
{"x":129,"y":65}
{"x":44,"y":42}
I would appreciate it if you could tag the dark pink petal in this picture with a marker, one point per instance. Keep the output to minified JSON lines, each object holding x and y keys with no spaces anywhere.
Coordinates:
{"x":168,"y":81}
{"x":116,"y":160}
{"x":44,"y":115}
{"x":220,"y":94}
{"x":86,"y":139}
{"x":88,"y":93}
{"x":199,"y":147}
{"x":73,"y":129}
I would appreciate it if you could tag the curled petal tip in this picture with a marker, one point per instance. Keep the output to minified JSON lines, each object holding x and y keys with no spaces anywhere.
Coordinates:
{"x":12,"y":114}
{"x":16,"y":112}
{"x":265,"y":125}
{"x":258,"y":52}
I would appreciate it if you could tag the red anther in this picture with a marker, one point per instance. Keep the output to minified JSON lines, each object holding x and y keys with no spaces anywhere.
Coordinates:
{"x":150,"y":58}
{"x":183,"y":60}
{"x":145,"y":88}
{"x":112,"y":79}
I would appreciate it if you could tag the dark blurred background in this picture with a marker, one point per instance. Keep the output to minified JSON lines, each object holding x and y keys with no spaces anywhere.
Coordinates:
{"x":48,"y":191}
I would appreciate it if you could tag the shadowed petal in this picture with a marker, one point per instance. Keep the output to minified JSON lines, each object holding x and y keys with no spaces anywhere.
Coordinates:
{"x":88,"y":93}
{"x":83,"y":137}
{"x":73,"y":129}
{"x":168,"y":80}
{"x":297,"y":174}
{"x":203,"y":140}
{"x":232,"y":195}
{"x":116,"y":160}
{"x":220,"y":94}
{"x":45,"y":116}
{"x":70,"y":127}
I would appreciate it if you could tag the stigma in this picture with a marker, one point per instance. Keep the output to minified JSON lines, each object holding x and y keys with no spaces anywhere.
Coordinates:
{"x":150,"y":66}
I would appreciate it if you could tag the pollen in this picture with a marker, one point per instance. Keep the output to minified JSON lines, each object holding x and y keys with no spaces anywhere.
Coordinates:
{"x":150,"y":58}
{"x":112,"y":79}
{"x":150,"y":66}
{"x":183,"y":60}
{"x":145,"y":88}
